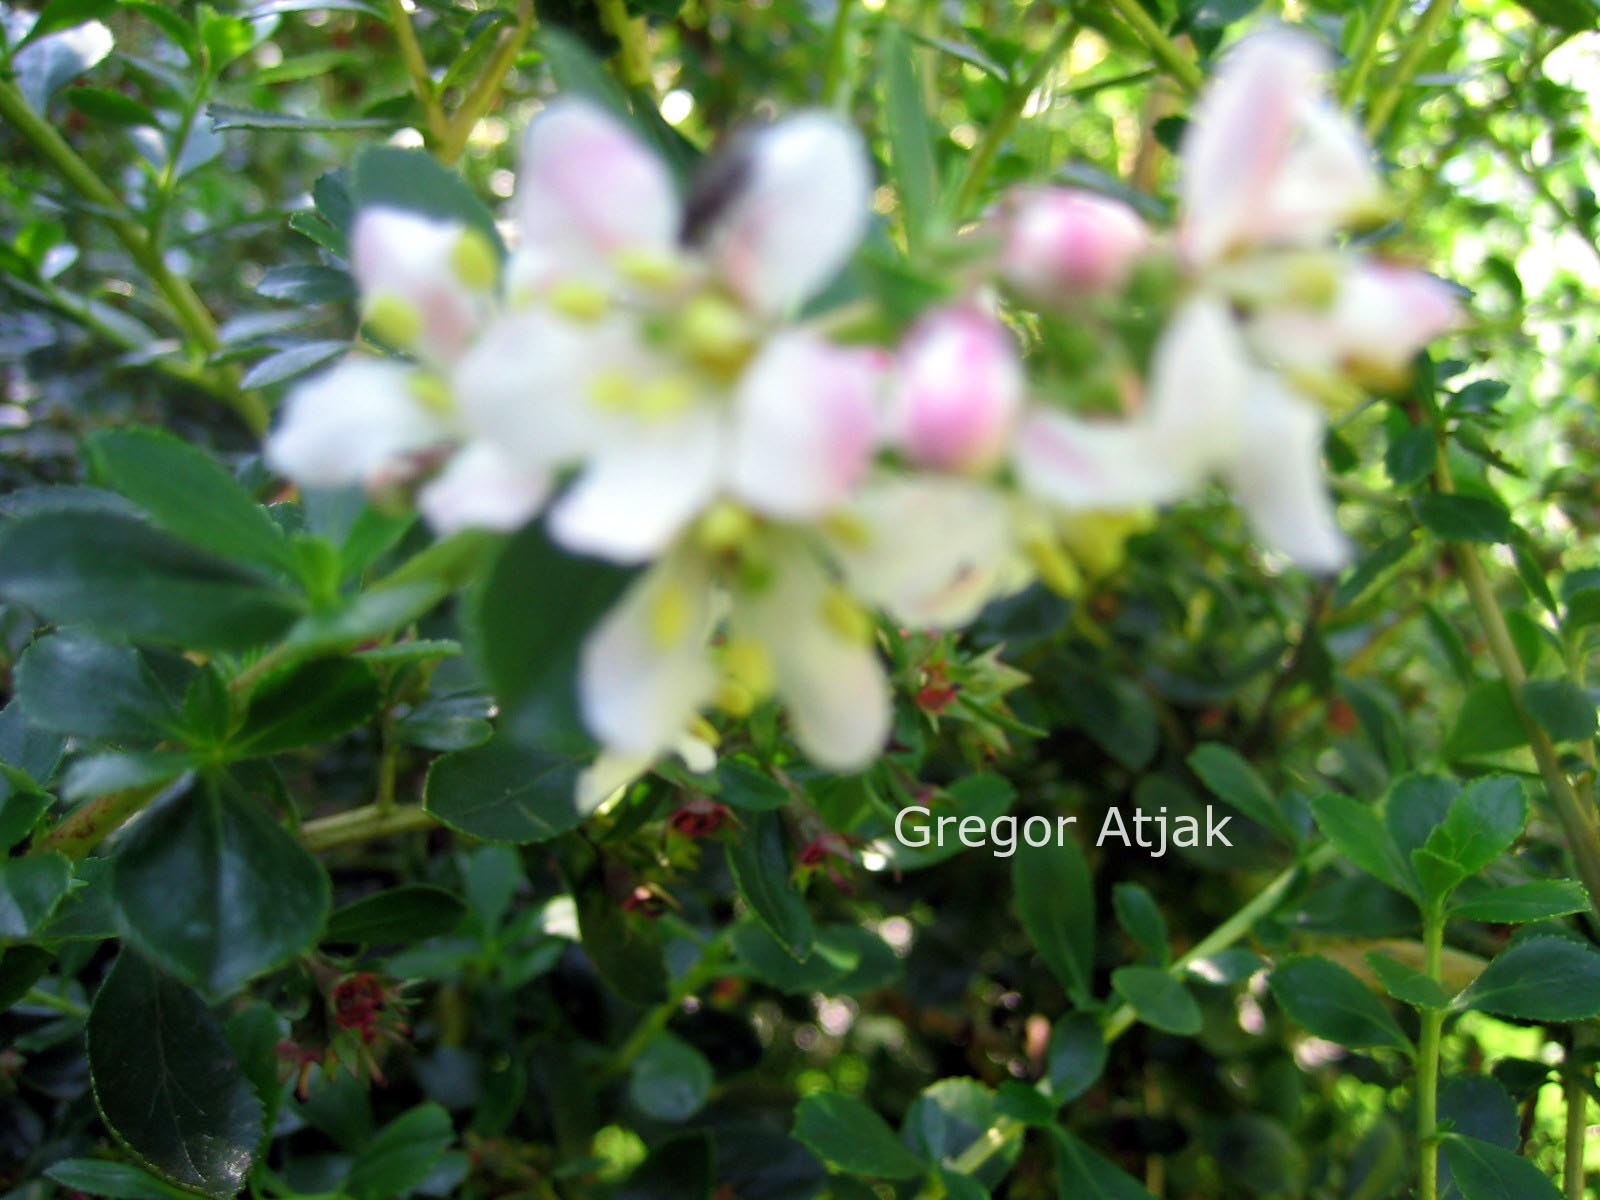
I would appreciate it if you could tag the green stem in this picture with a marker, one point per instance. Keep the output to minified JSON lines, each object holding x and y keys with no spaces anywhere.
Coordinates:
{"x":1422,"y":40}
{"x":655,"y":1021}
{"x":87,"y":825}
{"x":1367,"y":54}
{"x":363,"y":824}
{"x":1428,"y":1064}
{"x":416,"y":64}
{"x":188,"y":310}
{"x":1577,"y":1099}
{"x":1006,"y":1129}
{"x":633,"y":60}
{"x":1178,"y":64}
{"x":981,"y":162}
{"x":487,"y":88}
{"x":838,"y":77}
{"x":60,"y":1004}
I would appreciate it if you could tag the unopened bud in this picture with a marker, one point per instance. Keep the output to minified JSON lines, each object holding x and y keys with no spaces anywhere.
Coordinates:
{"x":959,"y":391}
{"x":1062,"y":243}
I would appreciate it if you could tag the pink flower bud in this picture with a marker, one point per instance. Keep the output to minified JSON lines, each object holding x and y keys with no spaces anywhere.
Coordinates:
{"x":959,"y":390}
{"x":1062,"y":242}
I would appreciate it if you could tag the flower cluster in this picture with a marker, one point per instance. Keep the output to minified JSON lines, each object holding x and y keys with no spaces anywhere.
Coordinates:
{"x":640,"y":371}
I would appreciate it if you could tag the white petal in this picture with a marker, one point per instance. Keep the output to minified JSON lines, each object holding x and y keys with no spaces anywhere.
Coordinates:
{"x":929,"y":550}
{"x":608,"y":774}
{"x":801,"y":205}
{"x":348,"y":424}
{"x":958,"y":389}
{"x":589,"y":189}
{"x":832,"y":684}
{"x":400,"y":258}
{"x":480,"y":488}
{"x":1385,"y":314}
{"x":1237,"y":141}
{"x":1075,"y":463}
{"x":636,"y":495}
{"x":805,"y":424}
{"x":1276,"y":476}
{"x":645,"y":672}
{"x":1199,"y":376}
{"x":1327,"y":178}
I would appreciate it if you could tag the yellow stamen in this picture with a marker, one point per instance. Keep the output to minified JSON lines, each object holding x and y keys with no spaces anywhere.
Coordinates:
{"x":579,"y":301}
{"x":845,"y":616}
{"x":850,"y":529}
{"x":612,"y":389}
{"x":395,"y":320}
{"x":648,"y":268}
{"x":669,"y":614}
{"x":705,"y":731}
{"x":716,"y":334}
{"x":665,"y":397}
{"x":724,"y":526}
{"x":1312,"y":280}
{"x":748,"y":662}
{"x":1099,"y":540}
{"x":1054,"y":565}
{"x":433,"y":393}
{"x":474,"y":261}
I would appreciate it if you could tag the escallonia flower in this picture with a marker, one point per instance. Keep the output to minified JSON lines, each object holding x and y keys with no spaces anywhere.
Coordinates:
{"x":1276,"y":318}
{"x":649,"y":342}
{"x":1062,"y":244}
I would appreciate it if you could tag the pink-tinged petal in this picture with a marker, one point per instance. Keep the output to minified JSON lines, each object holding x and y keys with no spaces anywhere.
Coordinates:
{"x":1384,"y":314}
{"x":636,"y":495}
{"x":1199,"y":378}
{"x":958,"y":391}
{"x":589,"y":189}
{"x":645,"y":671}
{"x":929,"y":550}
{"x":525,"y":385}
{"x":1059,"y":244}
{"x":421,"y":289}
{"x":481,"y":488}
{"x":1075,"y":463}
{"x":352,"y":424}
{"x":827,"y":671}
{"x":1277,"y":478}
{"x":800,"y":203}
{"x":1239,"y":138}
{"x":804,"y":426}
{"x":1328,"y":177}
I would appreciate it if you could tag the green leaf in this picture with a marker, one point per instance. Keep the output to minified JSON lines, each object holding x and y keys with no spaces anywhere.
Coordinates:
{"x":120,"y":576}
{"x":670,"y":1079}
{"x":952,"y":1115}
{"x":291,"y":362}
{"x":1484,"y":1171}
{"x":1407,"y":984}
{"x":30,"y":889}
{"x":1487,"y":723}
{"x":72,"y":683}
{"x":844,"y":960}
{"x":1081,"y":1174}
{"x":849,"y":1136}
{"x":111,"y":108}
{"x":1054,"y":897}
{"x":680,"y":1168}
{"x":98,"y":1177}
{"x":27,"y":747}
{"x":226,"y":116}
{"x":409,"y":913}
{"x":1564,"y":709}
{"x":759,"y":863}
{"x":1541,"y":979}
{"x":1076,"y":1057}
{"x":503,"y":791}
{"x":1357,"y":832}
{"x":1331,"y":1003}
{"x":1410,"y":456}
{"x":624,"y":947}
{"x":530,"y":621}
{"x":64,"y":14}
{"x":215,"y":890}
{"x":1483,"y":820}
{"x":746,"y":786}
{"x":389,"y":177}
{"x":401,"y":1154}
{"x":1232,"y":780}
{"x":314,"y":702}
{"x":1140,"y":917}
{"x":1159,"y":999}
{"x":1464,"y":518}
{"x":166,"y":1083}
{"x":1539,"y":900}
{"x":911,"y":160}
{"x":22,"y":803}
{"x":308,"y":284}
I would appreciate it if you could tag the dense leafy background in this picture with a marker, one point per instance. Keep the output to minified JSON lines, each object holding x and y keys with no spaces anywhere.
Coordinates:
{"x":335,"y":839}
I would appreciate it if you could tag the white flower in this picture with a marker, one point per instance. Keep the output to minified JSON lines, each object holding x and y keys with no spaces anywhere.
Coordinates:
{"x":958,"y":388}
{"x":659,"y":367}
{"x":1060,"y":243}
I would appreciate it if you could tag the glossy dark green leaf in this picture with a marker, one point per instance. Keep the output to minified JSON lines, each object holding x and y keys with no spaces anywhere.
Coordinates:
{"x":100,"y":1177}
{"x":1357,"y":832}
{"x":401,"y":1154}
{"x":1082,"y":1174}
{"x":1480,"y":825}
{"x":409,"y":913}
{"x":1541,"y":979}
{"x":1234,"y":781}
{"x":1407,"y":984}
{"x":670,"y":1079}
{"x":745,"y":785}
{"x":1410,"y":456}
{"x":1076,"y":1056}
{"x":1519,"y":904}
{"x":22,"y":803}
{"x":503,"y":791}
{"x":1054,"y":898}
{"x":74,"y":683}
{"x":26,"y":746}
{"x":949,"y":1117}
{"x":1565,"y":710}
{"x":1488,"y":723}
{"x":1330,"y":1002}
{"x":849,"y":1136}
{"x":166,"y":1083}
{"x":1140,"y":918}
{"x":1483,"y":1171}
{"x":122,"y":577}
{"x":314,"y":702}
{"x":1160,"y":1000}
{"x":291,"y":362}
{"x":759,"y":862}
{"x":389,"y":177}
{"x":30,"y":889}
{"x":911,"y":161}
{"x":1464,"y":518}
{"x":215,"y":890}
{"x":58,"y":15}
{"x":110,"y":108}
{"x":625,"y":947}
{"x":530,"y":620}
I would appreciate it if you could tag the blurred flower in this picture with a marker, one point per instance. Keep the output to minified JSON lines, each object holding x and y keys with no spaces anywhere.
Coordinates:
{"x":957,"y":389}
{"x":1059,"y":244}
{"x":700,"y":817}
